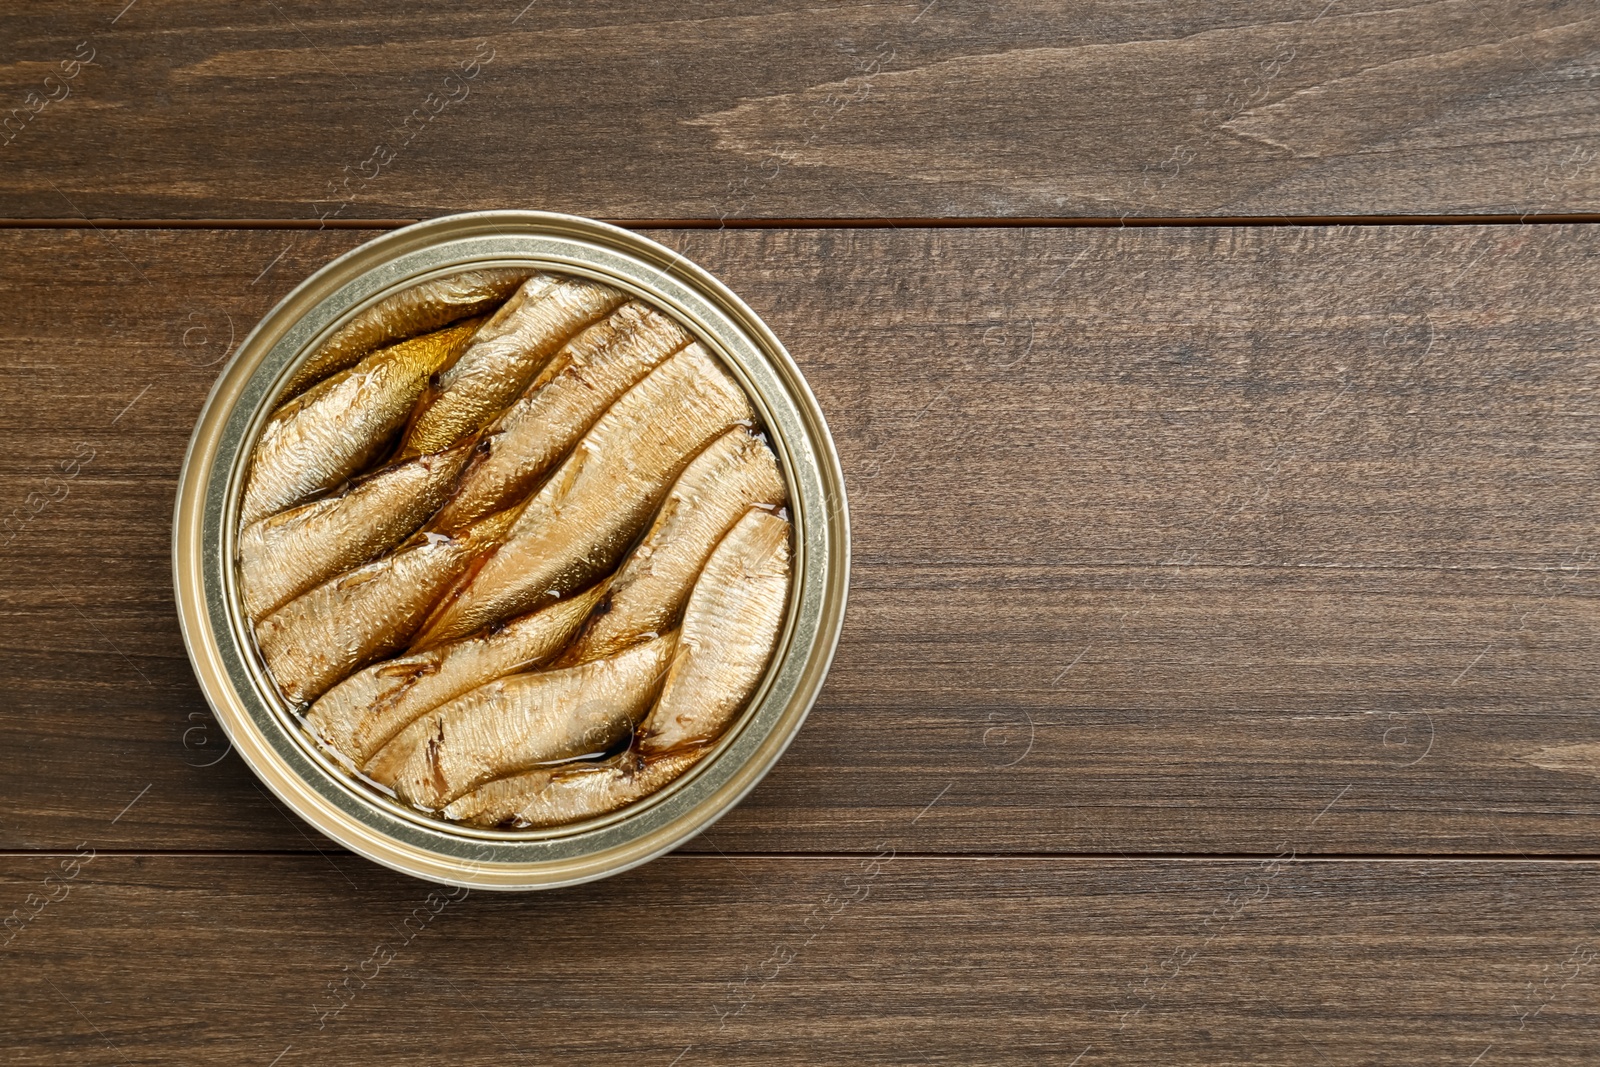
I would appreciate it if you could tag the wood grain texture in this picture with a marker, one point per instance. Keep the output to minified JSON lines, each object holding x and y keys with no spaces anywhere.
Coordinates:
{"x":1183,"y":542}
{"x":1165,"y":539}
{"x":743,"y":109}
{"x":898,"y":959}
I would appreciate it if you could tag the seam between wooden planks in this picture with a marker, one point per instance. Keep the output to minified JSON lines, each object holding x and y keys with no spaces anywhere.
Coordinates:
{"x":965,"y":222}
{"x":1065,"y":857}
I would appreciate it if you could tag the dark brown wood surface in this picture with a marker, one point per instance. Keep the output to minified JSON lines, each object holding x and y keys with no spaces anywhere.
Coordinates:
{"x":931,"y":108}
{"x":883,"y":958}
{"x":1219,"y":681}
{"x":1204,"y":549}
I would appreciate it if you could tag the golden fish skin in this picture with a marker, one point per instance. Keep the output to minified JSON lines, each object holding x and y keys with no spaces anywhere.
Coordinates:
{"x":364,"y":712}
{"x":736,"y":472}
{"x":534,"y":288}
{"x":418,"y":309}
{"x":584,"y":518}
{"x":570,"y":792}
{"x":729,"y":629}
{"x":335,"y":428}
{"x":518,"y":722}
{"x":283,"y":555}
{"x":574,"y":389}
{"x":343,"y":624}
{"x":497,"y":367}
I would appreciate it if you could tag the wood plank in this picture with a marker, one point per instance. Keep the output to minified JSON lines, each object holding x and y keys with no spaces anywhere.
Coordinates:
{"x":236,"y":959}
{"x":1265,"y":529}
{"x":624,"y":110}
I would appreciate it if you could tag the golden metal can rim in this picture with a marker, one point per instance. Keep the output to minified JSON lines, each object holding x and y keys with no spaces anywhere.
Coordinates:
{"x":262,"y":728}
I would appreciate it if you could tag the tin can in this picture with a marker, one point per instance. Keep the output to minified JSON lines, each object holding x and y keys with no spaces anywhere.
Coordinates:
{"x":216,"y":631}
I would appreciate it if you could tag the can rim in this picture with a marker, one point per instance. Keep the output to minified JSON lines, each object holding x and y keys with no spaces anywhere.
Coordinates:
{"x":234,"y":681}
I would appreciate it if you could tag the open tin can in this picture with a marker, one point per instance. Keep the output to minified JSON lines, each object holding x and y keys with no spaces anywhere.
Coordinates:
{"x":265,"y":730}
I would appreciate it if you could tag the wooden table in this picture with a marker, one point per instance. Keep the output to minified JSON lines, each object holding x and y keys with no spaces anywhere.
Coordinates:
{"x":1218,"y":392}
